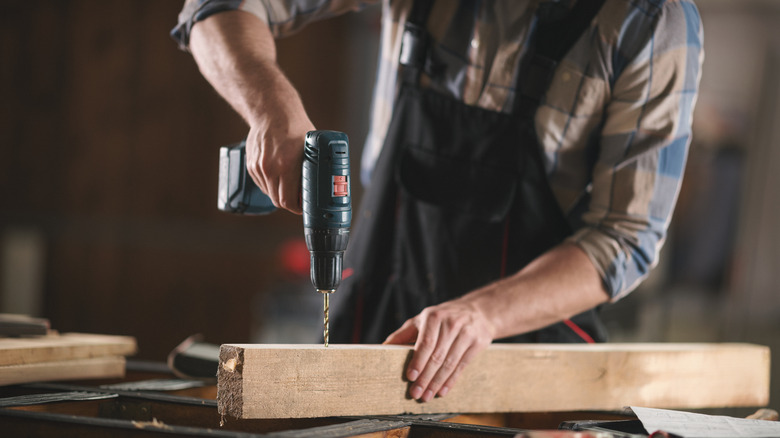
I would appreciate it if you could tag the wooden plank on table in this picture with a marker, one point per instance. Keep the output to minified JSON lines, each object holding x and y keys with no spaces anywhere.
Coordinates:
{"x":91,"y":368}
{"x":293,"y":381}
{"x":67,"y":346}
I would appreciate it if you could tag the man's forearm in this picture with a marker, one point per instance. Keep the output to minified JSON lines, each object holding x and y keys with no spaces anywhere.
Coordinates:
{"x":557,"y":285}
{"x":236,"y":53}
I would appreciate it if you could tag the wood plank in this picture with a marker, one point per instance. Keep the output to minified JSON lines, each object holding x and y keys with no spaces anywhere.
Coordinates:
{"x":66,"y":346}
{"x":293,"y":381}
{"x":91,"y":368}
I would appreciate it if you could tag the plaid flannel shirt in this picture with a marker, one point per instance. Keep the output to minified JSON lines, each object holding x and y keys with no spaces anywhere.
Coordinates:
{"x":631,"y":79}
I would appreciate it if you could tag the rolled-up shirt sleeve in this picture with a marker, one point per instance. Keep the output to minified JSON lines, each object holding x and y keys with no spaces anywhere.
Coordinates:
{"x":643,"y":150}
{"x":284,"y":17}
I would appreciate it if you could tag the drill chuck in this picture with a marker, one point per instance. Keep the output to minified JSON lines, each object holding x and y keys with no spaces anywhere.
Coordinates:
{"x":327,"y":248}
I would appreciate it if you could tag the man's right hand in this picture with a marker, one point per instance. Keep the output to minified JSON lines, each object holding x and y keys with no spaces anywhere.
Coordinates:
{"x":274,"y":158}
{"x":236,"y":53}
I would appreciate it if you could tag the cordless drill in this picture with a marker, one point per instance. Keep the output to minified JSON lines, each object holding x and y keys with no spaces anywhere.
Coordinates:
{"x":327,"y":202}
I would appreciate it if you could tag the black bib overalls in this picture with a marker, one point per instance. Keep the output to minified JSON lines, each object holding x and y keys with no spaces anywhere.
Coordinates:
{"x":459,"y":198}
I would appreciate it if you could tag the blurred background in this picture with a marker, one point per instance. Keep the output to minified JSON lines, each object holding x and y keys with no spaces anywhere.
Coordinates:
{"x":109,"y":143}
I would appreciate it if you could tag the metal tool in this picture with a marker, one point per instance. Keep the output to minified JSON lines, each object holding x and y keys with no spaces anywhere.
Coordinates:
{"x":327,"y":203}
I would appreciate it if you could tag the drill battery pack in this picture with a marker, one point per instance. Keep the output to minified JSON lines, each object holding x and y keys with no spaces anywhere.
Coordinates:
{"x":237,"y":192}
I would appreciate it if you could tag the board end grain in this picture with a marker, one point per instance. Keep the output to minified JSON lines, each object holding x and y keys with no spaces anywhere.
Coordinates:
{"x":230,"y":386}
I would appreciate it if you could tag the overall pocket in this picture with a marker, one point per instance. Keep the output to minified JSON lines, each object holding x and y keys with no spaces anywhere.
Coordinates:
{"x":452,"y":219}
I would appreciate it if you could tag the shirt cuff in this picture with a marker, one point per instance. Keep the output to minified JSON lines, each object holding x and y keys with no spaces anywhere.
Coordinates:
{"x":198,"y":10}
{"x":622,"y":263}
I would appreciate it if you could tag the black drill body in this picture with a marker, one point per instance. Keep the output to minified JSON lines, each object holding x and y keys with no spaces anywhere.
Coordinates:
{"x":327,"y":205}
{"x":326,"y":196}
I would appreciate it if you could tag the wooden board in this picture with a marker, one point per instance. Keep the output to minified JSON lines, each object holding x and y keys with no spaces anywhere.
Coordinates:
{"x":92,"y":368}
{"x":295,"y":381}
{"x":59,"y":347}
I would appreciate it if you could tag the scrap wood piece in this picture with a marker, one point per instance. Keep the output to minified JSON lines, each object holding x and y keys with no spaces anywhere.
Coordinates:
{"x":295,"y":381}
{"x":19,"y":325}
{"x":91,"y":368}
{"x":66,"y":346}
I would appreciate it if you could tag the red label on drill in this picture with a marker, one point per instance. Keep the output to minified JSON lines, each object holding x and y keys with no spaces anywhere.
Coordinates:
{"x":340,"y":186}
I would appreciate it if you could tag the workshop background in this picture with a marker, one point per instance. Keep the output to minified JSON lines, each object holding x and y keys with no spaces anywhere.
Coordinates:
{"x":109,"y":144}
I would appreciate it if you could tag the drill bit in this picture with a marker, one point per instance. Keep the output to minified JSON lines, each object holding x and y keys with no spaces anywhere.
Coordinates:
{"x":326,"y":322}
{"x":326,"y":308}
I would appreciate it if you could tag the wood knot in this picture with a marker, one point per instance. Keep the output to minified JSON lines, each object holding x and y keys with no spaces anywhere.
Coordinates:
{"x":230,"y":365}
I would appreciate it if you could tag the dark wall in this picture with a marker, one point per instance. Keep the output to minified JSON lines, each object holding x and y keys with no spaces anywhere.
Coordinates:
{"x":109,"y":144}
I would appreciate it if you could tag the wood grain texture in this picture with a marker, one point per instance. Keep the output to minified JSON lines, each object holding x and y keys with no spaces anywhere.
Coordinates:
{"x":60,"y":347}
{"x":294,"y":381}
{"x":91,"y":368}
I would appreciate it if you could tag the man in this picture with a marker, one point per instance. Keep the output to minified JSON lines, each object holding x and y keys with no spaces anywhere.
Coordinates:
{"x":517,"y":180}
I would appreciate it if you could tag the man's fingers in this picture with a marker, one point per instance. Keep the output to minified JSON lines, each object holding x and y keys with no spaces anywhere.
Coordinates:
{"x":468,"y":355}
{"x":443,"y":359}
{"x":447,"y":373}
{"x":427,"y":338}
{"x":255,"y":170}
{"x":289,"y":194}
{"x":407,"y":334}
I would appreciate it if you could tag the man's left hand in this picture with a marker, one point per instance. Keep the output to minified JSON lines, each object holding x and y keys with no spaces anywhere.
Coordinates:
{"x":446,"y":338}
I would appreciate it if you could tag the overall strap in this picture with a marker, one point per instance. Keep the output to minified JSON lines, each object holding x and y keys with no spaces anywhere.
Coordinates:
{"x":551,"y":40}
{"x":415,"y":42}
